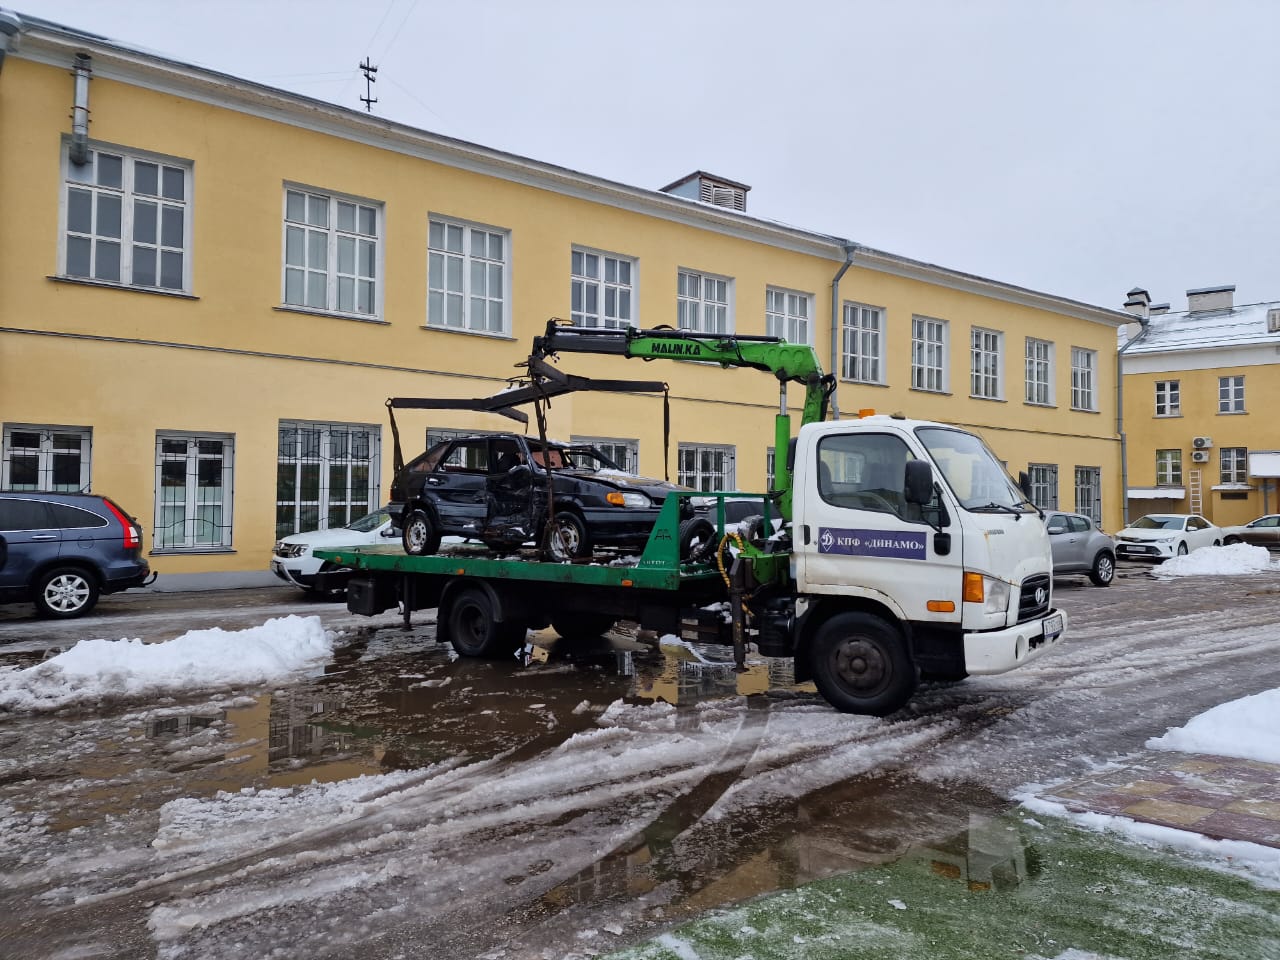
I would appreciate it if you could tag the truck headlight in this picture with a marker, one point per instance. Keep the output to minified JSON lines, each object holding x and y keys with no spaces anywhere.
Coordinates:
{"x":993,"y":594}
{"x":619,"y":499}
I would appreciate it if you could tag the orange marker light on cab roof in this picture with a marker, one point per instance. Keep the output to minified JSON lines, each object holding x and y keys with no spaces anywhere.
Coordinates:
{"x":867,"y":412}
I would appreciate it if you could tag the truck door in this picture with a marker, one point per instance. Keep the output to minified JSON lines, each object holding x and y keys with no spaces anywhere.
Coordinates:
{"x":859,"y":535}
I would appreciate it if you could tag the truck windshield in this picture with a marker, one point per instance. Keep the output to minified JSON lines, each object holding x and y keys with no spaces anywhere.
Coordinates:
{"x":972,"y":472}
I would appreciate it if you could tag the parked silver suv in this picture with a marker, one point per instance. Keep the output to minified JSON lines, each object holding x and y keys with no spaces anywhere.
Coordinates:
{"x":1080,"y":547}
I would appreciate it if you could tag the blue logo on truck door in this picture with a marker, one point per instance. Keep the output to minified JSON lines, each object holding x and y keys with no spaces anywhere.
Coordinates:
{"x":872,"y":543}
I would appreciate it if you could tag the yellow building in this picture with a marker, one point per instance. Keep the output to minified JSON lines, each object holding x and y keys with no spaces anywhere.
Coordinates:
{"x":1197,"y":388}
{"x":210,"y":287}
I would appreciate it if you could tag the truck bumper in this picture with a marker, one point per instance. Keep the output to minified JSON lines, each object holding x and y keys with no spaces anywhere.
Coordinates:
{"x":997,"y":651}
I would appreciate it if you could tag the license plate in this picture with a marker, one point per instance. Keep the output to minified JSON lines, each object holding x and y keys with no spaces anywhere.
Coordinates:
{"x":1052,"y":626}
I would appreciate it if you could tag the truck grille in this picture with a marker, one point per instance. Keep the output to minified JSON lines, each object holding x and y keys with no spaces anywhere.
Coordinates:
{"x":1029,"y":607}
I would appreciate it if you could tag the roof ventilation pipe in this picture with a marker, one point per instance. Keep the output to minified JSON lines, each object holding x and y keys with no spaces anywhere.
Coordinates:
{"x":80,"y":112}
{"x":10,"y":26}
{"x":849,"y":250}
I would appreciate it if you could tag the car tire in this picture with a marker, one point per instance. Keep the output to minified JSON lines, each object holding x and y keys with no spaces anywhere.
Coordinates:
{"x":567,"y":537}
{"x":1182,"y":549}
{"x":582,"y":627}
{"x":65,"y":592}
{"x":421,"y":536}
{"x":1231,"y":540}
{"x":860,"y":665}
{"x":473,"y":630}
{"x":1217,"y":543}
{"x":697,"y":539}
{"x":1104,"y":569}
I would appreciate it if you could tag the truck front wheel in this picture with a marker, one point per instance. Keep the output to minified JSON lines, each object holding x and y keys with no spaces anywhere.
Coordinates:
{"x":860,"y":665}
{"x":474,"y":632}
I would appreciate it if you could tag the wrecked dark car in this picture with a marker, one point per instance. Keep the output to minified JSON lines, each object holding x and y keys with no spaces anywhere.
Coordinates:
{"x":493,"y":488}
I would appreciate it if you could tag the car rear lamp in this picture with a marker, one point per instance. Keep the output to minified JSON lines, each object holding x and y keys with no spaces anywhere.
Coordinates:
{"x":132,"y":533}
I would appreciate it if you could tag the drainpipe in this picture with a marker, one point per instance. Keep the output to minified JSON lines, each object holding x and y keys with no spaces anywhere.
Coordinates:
{"x":80,"y":112}
{"x":10,"y":27}
{"x":849,"y":250}
{"x":1124,"y":444}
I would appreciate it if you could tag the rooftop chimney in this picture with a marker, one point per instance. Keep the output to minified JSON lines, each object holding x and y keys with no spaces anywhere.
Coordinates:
{"x":708,"y":188}
{"x":1137,"y":302}
{"x":1159,"y":309}
{"x":1211,"y":298}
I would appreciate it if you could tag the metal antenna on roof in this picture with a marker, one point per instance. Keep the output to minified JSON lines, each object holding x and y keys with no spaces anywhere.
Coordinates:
{"x":369,"y":80}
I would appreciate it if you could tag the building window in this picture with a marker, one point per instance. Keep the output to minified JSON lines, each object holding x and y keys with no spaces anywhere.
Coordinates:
{"x":326,"y":475}
{"x":702,"y":303}
{"x":863,"y":358}
{"x":45,"y":458}
{"x":986,"y":347}
{"x":786,"y":315}
{"x":625,"y":453}
{"x":1044,"y":485}
{"x":1235,"y":464}
{"x":128,"y":220}
{"x":1168,"y":468}
{"x":1089,"y":492}
{"x":1039,"y":371}
{"x":331,"y":253}
{"x":467,"y":277}
{"x":706,"y":466}
{"x":1083,"y":364}
{"x":602,"y":290}
{"x":1168,"y":398}
{"x":1231,"y":394}
{"x":928,"y":354}
{"x":193,"y":492}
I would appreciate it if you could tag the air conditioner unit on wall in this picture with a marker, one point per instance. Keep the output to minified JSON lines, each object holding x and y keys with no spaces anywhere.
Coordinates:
{"x":1201,"y":443}
{"x":1199,"y":456}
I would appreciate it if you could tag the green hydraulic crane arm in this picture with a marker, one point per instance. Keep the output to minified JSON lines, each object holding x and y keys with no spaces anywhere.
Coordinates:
{"x":788,"y":362}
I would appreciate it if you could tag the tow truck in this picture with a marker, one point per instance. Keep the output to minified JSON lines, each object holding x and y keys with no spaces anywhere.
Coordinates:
{"x":901,"y":550}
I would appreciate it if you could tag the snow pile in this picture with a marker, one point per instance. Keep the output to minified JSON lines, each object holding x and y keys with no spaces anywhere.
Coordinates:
{"x":98,"y":669}
{"x":1248,"y":728}
{"x":1232,"y":559}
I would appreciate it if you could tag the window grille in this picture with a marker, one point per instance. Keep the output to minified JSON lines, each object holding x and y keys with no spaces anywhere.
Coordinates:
{"x":46,"y":458}
{"x":326,"y":475}
{"x":193,"y":492}
{"x":706,"y":466}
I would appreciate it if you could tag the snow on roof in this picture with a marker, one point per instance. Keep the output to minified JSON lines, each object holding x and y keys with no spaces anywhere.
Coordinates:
{"x":1240,"y":326}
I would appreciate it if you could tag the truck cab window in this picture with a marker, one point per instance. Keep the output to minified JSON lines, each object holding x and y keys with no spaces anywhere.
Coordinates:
{"x":863,"y":471}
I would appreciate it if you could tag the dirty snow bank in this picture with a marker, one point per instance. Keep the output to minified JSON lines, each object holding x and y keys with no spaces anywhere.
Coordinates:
{"x":1248,"y":728}
{"x":1236,"y":558}
{"x":199,"y":659}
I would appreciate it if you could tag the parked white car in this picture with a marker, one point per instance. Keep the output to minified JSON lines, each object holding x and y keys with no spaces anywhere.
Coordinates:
{"x":1159,"y":536}
{"x":293,"y":561}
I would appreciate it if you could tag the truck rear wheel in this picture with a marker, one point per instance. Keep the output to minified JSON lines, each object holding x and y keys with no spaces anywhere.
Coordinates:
{"x":582,"y":627}
{"x":860,"y":665}
{"x":474,"y":632}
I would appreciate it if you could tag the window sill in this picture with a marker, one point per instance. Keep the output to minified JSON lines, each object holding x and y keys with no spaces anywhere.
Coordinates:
{"x":188,"y":551}
{"x":1168,"y":416}
{"x":333,"y":314}
{"x":1085,"y":410}
{"x":1043,"y":406}
{"x":469,"y":333}
{"x":104,"y":285}
{"x":866,"y":383}
{"x":1232,"y":413}
{"x":974,"y":396}
{"x":936,"y":393}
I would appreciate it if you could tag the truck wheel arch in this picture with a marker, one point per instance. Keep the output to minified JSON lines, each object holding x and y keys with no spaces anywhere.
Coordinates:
{"x":823,"y":609}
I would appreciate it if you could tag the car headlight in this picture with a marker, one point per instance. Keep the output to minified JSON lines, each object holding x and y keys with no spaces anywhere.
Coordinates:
{"x":620,"y":499}
{"x":993,"y":594}
{"x":1164,"y":540}
{"x":291,"y":549}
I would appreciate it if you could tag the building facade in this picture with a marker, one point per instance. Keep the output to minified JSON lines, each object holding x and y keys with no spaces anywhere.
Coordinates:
{"x":210,"y":287}
{"x":1197,"y":388}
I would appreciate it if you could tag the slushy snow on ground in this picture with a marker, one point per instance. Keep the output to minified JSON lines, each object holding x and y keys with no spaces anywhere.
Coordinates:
{"x":1248,"y":728}
{"x":94,"y":670}
{"x":1236,"y":558}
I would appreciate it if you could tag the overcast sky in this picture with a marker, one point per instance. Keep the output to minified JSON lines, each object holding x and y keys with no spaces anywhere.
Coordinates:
{"x":1078,"y":148}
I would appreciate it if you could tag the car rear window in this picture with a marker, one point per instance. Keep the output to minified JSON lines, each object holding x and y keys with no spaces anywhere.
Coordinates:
{"x":73,"y":518}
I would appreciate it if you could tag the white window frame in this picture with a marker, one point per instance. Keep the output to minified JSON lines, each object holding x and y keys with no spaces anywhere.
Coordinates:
{"x":1089,"y":492}
{"x":331,"y":263}
{"x":603,"y":289}
{"x":986,"y":361}
{"x":494,"y":300}
{"x":704,"y":302}
{"x":53,"y":442}
{"x":695,"y":471}
{"x":1038,"y":374}
{"x":192,"y":539}
{"x":862,"y":343}
{"x":1168,"y":398}
{"x":1231,"y":394}
{"x":1044,"y":485}
{"x":327,"y":446}
{"x":1169,"y":467}
{"x":1233,"y":465}
{"x":929,"y":348}
{"x":788,"y":314}
{"x":1084,"y":366}
{"x":623,"y":451}
{"x":83,"y":179}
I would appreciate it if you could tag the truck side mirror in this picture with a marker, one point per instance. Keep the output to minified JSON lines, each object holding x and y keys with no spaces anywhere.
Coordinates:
{"x":917,"y":482}
{"x":1024,"y":484}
